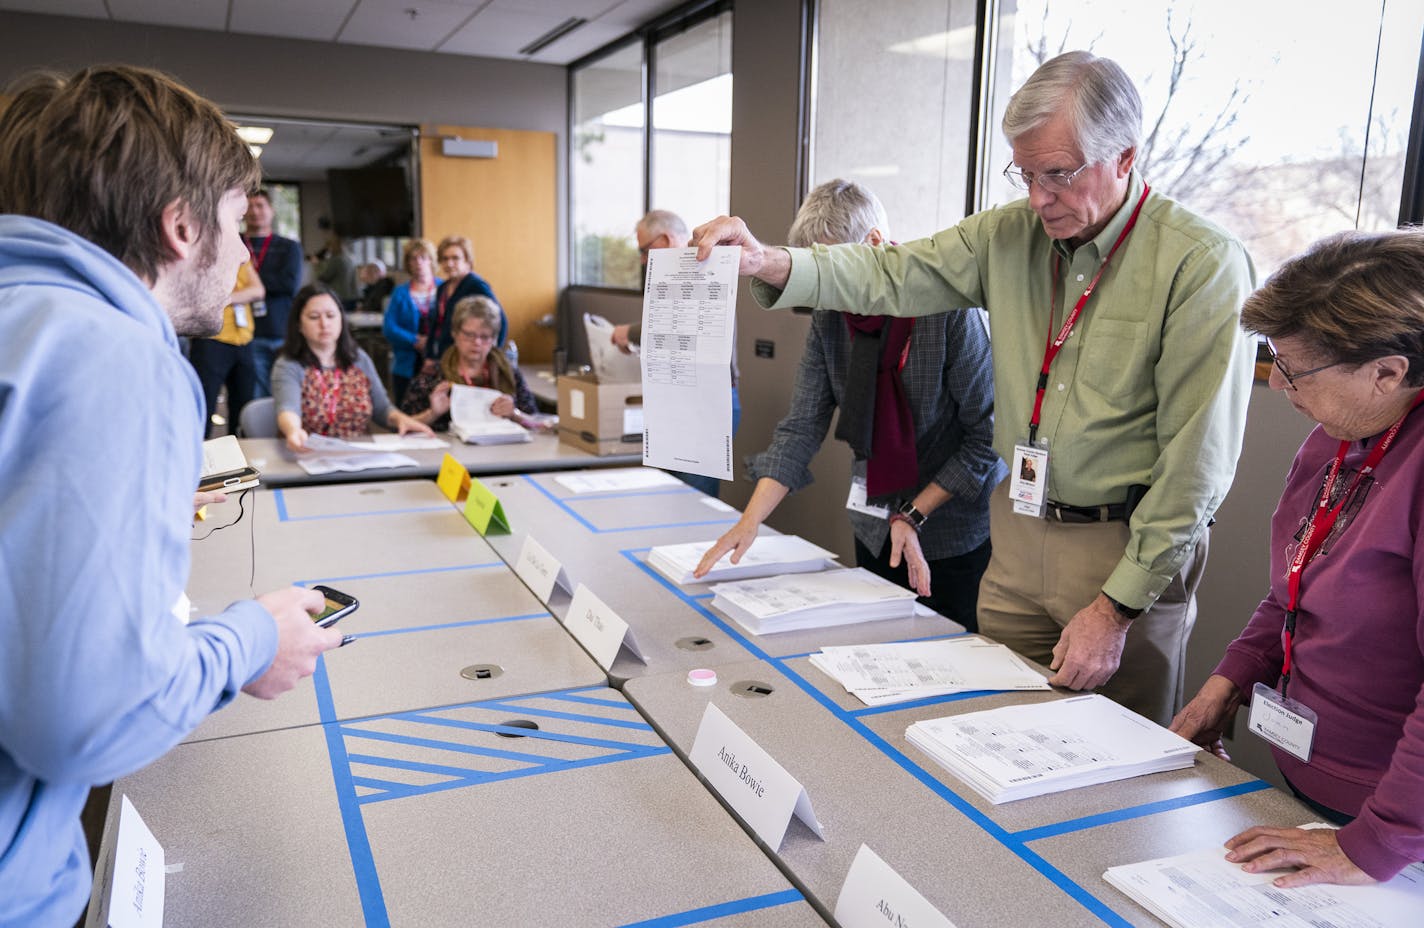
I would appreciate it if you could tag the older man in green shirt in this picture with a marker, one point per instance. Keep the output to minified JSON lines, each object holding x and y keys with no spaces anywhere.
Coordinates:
{"x":1143,"y":406}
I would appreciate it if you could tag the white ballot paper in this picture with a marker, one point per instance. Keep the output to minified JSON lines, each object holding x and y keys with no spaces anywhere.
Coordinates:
{"x":792,"y":602}
{"x":472,"y":422}
{"x":390,"y":441}
{"x":689,"y":312}
{"x":759,"y":789}
{"x":1202,"y":889}
{"x":617,"y":479}
{"x":609,"y":363}
{"x":881,"y":674}
{"x":1030,"y":750}
{"x":875,"y":896}
{"x":769,"y":555}
{"x":334,"y":454}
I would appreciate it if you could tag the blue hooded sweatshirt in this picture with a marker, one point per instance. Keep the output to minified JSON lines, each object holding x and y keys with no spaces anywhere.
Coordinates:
{"x":100,"y":450}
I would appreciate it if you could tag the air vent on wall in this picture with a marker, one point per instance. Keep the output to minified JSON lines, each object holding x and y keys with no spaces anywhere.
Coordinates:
{"x":553,"y":35}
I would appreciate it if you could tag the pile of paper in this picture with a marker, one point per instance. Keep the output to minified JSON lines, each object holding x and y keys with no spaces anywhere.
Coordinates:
{"x":1022,"y":751}
{"x":333,"y":454}
{"x":796,"y":601}
{"x":472,"y":422}
{"x":1202,"y":889}
{"x":768,"y":556}
{"x":881,"y":674}
{"x":618,"y":479}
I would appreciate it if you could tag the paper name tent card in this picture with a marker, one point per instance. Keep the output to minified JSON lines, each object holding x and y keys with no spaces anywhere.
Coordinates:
{"x":1031,"y":750}
{"x":882,"y":674}
{"x":225,"y":467}
{"x":1202,"y":889}
{"x":796,"y":601}
{"x":472,"y":422}
{"x":768,"y":556}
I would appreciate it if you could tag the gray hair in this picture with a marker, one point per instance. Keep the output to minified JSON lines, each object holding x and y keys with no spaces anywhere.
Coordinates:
{"x":480,"y":308}
{"x":837,"y":212}
{"x":664,"y":221}
{"x":1095,"y":93}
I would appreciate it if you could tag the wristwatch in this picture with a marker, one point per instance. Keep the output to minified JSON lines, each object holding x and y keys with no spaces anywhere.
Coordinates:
{"x":1127,"y":612}
{"x":912,"y":515}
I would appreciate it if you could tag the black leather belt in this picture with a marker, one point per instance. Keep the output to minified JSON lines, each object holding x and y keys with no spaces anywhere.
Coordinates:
{"x":1108,"y":512}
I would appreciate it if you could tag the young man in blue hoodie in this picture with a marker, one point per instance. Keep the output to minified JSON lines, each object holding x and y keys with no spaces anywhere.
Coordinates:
{"x":120,"y":201}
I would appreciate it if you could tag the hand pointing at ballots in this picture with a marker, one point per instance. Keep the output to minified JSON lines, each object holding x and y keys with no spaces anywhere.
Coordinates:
{"x":299,"y":641}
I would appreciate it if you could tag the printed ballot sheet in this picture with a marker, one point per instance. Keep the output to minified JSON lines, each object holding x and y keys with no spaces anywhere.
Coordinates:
{"x":1202,"y":889}
{"x":880,"y":674}
{"x":689,"y":309}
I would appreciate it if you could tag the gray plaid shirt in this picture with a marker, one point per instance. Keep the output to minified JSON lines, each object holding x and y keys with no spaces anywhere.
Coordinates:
{"x":950,"y":385}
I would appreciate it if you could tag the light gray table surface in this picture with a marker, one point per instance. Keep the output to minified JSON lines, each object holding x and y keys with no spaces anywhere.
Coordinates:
{"x":279,"y":465}
{"x":435,"y":819}
{"x":979,"y":864}
{"x":435,"y":600}
{"x":602,"y":541}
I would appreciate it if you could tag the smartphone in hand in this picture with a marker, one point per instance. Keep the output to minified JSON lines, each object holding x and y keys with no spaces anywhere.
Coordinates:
{"x":338,"y":605}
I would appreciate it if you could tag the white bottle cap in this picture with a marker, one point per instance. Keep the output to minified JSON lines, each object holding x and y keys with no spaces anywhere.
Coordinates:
{"x":702,"y":677}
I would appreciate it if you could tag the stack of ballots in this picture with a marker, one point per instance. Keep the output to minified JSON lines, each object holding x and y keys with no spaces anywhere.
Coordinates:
{"x":797,"y":601}
{"x":1022,"y":751}
{"x":882,"y":674}
{"x":768,"y":556}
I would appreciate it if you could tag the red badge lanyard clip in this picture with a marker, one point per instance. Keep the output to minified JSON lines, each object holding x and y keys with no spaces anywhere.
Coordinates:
{"x":1055,"y":345}
{"x":1322,"y":521}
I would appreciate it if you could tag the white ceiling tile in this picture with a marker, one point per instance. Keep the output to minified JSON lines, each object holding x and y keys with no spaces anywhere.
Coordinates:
{"x":500,"y":33}
{"x":559,"y":9}
{"x":389,"y":23}
{"x":309,"y":19}
{"x":630,"y":14}
{"x":189,"y":14}
{"x":587,"y":38}
{"x":89,"y":9}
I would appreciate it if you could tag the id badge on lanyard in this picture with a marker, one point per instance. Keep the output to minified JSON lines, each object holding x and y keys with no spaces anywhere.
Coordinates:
{"x":1028,"y":478}
{"x":239,"y":315}
{"x":1284,"y":722}
{"x":856,"y":501}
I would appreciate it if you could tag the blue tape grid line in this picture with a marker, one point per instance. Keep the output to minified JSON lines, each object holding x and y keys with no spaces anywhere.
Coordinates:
{"x":282,"y":516}
{"x":721,"y":910}
{"x":403,"y":573}
{"x":569,"y":510}
{"x":358,"y":843}
{"x":422,"y":729}
{"x":448,"y":625}
{"x":1010,"y":841}
{"x":1150,"y":808}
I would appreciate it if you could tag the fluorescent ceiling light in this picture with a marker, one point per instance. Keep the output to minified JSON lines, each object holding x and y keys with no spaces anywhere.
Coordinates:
{"x":254,"y":135}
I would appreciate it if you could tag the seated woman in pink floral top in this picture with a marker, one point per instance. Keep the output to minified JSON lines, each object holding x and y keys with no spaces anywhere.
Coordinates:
{"x":323,"y":383}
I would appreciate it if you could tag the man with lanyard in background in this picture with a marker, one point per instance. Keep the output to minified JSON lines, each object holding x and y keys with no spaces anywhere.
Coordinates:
{"x":1120,"y":373}
{"x":278,"y":262}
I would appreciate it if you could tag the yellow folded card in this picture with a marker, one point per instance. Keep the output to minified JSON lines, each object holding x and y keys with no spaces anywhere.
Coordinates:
{"x":453,"y":480}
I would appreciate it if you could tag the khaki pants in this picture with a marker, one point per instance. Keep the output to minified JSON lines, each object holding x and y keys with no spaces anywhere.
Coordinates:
{"x":1042,"y":572}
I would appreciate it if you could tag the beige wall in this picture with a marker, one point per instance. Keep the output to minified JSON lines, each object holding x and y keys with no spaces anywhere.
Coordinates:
{"x":506,"y":206}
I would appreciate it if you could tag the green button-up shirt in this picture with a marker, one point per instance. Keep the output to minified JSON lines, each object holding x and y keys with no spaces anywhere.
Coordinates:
{"x":1151,"y":387}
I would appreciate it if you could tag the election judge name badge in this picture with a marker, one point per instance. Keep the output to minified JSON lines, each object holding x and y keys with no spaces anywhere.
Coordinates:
{"x":1028,"y":478}
{"x":857,"y":501}
{"x":1287,"y":724}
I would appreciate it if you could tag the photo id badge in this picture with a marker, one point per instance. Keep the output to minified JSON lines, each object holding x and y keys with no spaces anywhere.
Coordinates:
{"x":856,"y":501}
{"x":239,"y":315}
{"x":1287,"y":724}
{"x":1028,"y":478}
{"x":259,"y":308}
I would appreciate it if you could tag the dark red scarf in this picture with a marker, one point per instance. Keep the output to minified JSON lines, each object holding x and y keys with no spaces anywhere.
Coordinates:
{"x":875,"y":417}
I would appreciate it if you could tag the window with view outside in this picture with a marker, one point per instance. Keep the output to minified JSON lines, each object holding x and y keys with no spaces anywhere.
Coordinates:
{"x":1282,"y":120}
{"x":692,"y":121}
{"x":891,"y":106}
{"x":606,"y":168}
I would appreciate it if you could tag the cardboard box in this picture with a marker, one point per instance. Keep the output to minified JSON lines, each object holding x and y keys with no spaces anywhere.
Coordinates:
{"x":600,"y":418}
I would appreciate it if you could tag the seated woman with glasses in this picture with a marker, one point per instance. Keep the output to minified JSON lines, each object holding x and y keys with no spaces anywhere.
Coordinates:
{"x":474,"y":323}
{"x":1335,"y":652}
{"x":322,"y":382}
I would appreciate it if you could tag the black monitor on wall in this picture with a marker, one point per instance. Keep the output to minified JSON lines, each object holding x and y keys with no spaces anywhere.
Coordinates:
{"x":371,"y":202}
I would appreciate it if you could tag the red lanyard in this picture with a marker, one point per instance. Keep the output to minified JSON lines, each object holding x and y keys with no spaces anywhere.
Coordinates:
{"x":1055,"y":345}
{"x":330,"y":397}
{"x":442,"y":297}
{"x":1322,"y":521}
{"x":257,"y":257}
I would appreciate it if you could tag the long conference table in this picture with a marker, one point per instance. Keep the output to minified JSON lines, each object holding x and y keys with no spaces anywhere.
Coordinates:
{"x":465,"y":762}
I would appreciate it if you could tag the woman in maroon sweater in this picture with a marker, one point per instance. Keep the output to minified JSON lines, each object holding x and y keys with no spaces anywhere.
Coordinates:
{"x":1342,"y":640}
